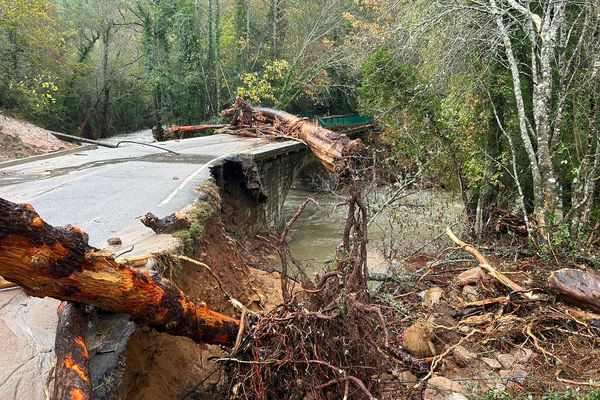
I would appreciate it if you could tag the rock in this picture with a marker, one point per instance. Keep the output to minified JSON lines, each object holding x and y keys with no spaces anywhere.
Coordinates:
{"x":416,"y":341}
{"x":463,"y":357}
{"x":469,"y":276}
{"x":470,"y":293}
{"x":405,"y":377}
{"x":523,"y":355}
{"x":114,"y":241}
{"x":385,"y":377}
{"x":432,"y":296}
{"x":507,"y":360}
{"x":433,"y":394}
{"x":443,"y":384}
{"x":442,"y":319}
{"x":490,"y":362}
{"x":517,"y":374}
{"x":464,"y":329}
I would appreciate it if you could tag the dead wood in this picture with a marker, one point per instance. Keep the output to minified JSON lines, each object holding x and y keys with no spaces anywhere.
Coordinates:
{"x":332,"y":149}
{"x":176,"y":129}
{"x":71,"y":374}
{"x":483,"y":263}
{"x":6,"y":284}
{"x":59,"y":263}
{"x":168,"y":224}
{"x":580,"y":288}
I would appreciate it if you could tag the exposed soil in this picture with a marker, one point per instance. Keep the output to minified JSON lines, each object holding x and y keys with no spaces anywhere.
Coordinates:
{"x":160,"y":366}
{"x":20,"y":139}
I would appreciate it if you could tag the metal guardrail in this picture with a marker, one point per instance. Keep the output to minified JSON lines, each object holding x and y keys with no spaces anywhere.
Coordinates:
{"x":352,"y":119}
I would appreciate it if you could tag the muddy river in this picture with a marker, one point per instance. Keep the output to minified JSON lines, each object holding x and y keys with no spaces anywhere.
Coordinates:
{"x":419,"y":217}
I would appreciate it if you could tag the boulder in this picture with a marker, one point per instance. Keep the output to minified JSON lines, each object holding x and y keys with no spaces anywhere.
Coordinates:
{"x":463,"y":357}
{"x":507,"y":360}
{"x":443,"y":384}
{"x":114,"y":241}
{"x":470,"y":293}
{"x":405,"y":377}
{"x":517,"y":374}
{"x":492,"y":363}
{"x":416,"y":340}
{"x":432,"y":296}
{"x":470,"y":276}
{"x":523,"y":355}
{"x":433,"y":394}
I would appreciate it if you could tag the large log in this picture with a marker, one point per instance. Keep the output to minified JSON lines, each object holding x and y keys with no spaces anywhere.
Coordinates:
{"x":332,"y":149}
{"x":59,"y":263}
{"x":581,"y":288}
{"x":71,"y":374}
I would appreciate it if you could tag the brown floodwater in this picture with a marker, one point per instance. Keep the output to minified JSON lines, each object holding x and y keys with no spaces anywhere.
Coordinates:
{"x":396,"y":233}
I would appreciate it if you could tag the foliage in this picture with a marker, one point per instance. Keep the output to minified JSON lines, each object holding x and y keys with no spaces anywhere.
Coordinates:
{"x":262,"y":88}
{"x":569,"y":394}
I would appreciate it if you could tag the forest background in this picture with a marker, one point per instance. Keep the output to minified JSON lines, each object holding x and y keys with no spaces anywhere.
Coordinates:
{"x":496,"y":99}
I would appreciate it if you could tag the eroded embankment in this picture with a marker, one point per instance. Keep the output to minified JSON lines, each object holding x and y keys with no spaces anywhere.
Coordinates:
{"x":160,"y":366}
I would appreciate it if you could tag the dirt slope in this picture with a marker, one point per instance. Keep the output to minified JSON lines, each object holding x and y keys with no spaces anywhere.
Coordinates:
{"x":20,"y":139}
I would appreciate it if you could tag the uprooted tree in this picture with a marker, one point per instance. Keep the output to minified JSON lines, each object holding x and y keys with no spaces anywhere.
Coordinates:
{"x":327,"y":340}
{"x":58,"y":262}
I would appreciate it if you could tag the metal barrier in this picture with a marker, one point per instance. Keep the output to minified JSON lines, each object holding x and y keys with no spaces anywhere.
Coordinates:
{"x":352,"y":119}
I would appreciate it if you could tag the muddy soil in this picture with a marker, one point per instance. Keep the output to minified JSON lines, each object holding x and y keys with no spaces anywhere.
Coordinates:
{"x":160,"y":366}
{"x":20,"y":139}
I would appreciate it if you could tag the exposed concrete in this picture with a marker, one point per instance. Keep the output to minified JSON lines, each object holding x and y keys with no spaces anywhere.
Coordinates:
{"x":255,"y":184}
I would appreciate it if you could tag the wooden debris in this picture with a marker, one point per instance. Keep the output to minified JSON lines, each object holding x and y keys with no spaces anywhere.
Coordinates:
{"x":6,"y":284}
{"x":168,"y":224}
{"x":179,"y":130}
{"x":332,"y":149}
{"x":483,"y":263}
{"x":59,"y":263}
{"x":71,"y":374}
{"x":580,"y":288}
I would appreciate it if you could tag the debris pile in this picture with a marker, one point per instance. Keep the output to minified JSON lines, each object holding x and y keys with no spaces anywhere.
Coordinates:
{"x":511,"y":328}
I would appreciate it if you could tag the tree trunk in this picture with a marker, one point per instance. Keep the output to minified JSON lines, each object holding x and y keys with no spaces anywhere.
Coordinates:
{"x":332,"y":149}
{"x":105,"y":94}
{"x":71,"y":374}
{"x":59,"y":263}
{"x":581,"y":288}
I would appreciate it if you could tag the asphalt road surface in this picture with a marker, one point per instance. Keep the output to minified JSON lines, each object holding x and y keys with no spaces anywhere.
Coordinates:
{"x":104,"y":190}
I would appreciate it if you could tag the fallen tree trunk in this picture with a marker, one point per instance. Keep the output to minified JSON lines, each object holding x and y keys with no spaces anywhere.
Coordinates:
{"x":71,"y":374}
{"x":59,"y":263}
{"x":333,"y":149}
{"x":168,"y":224}
{"x":175,"y":129}
{"x":580,"y":288}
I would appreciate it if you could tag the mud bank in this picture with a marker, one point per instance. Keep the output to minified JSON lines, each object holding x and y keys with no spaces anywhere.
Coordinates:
{"x":20,"y":139}
{"x":160,"y":366}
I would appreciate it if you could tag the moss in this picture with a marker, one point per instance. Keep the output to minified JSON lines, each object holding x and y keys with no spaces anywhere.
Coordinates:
{"x":189,"y":237}
{"x":201,"y":212}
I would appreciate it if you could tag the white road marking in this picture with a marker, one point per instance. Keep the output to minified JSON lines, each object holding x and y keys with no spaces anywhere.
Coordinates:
{"x":189,"y":178}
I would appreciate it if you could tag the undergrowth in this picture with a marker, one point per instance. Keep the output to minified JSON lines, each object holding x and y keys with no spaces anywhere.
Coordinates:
{"x":569,"y":394}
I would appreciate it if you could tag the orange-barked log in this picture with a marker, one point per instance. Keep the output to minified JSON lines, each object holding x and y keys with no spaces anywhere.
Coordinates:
{"x":59,"y":263}
{"x":71,"y":374}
